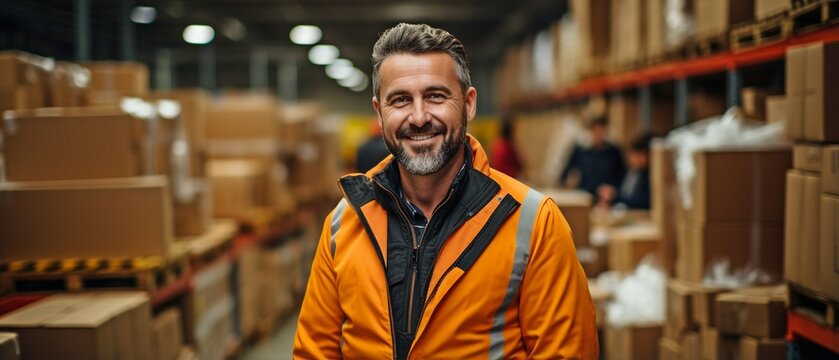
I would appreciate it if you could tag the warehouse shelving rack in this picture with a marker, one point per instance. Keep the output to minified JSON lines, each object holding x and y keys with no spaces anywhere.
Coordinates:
{"x":731,"y":64}
{"x":680,"y":72}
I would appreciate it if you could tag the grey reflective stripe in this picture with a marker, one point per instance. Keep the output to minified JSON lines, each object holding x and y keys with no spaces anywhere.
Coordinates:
{"x":336,"y":223}
{"x":523,"y":233}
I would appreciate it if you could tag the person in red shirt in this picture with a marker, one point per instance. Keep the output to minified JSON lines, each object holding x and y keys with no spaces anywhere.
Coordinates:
{"x":505,"y":158}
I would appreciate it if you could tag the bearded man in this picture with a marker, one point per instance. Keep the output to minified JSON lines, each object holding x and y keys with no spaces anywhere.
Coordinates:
{"x":432,"y":254}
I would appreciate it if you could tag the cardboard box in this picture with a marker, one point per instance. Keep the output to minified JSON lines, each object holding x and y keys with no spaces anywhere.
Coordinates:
{"x":67,"y":84}
{"x":601,"y":299}
{"x":669,"y":349}
{"x":705,"y":103}
{"x":194,"y":217}
{"x":623,"y":118}
{"x":663,"y":201}
{"x":575,"y":206}
{"x":768,"y":8}
{"x":716,"y":346}
{"x":88,"y":327}
{"x":215,"y":330}
{"x":72,"y":143}
{"x":776,"y":109}
{"x":821,"y":86}
{"x":242,"y":117}
{"x":692,"y":346}
{"x":593,"y":20}
{"x":13,"y":99}
{"x":239,"y":186}
{"x":753,"y":102}
{"x":9,"y":347}
{"x":758,"y":312}
{"x":139,"y":313}
{"x":732,"y":185}
{"x":807,"y":157}
{"x":628,"y":30}
{"x":762,"y":349}
{"x":628,"y":245}
{"x":110,"y":81}
{"x":635,"y":342}
{"x":167,"y":335}
{"x":717,"y":16}
{"x":679,"y":308}
{"x":801,"y":230}
{"x":85,"y":218}
{"x":704,"y":304}
{"x":193,"y":119}
{"x":20,"y":68}
{"x":742,"y":244}
{"x":829,"y":246}
{"x":796,"y":66}
{"x":830,"y":169}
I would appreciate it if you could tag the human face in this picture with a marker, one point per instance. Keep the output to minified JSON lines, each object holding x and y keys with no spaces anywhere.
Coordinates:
{"x":423,"y":110}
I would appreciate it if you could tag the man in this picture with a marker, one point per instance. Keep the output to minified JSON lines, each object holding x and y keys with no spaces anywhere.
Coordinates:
{"x":599,"y":164}
{"x":634,"y":192}
{"x":432,"y":254}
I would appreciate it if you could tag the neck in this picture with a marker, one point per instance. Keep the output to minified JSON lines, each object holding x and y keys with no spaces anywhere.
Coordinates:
{"x":427,"y":191}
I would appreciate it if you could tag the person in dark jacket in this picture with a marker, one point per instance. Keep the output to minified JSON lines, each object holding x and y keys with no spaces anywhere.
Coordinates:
{"x":372,"y":152}
{"x":597,"y":165}
{"x":634,"y":191}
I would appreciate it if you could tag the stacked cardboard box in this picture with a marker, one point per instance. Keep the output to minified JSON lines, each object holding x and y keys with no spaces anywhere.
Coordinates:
{"x":83,"y":326}
{"x":244,"y":145}
{"x":628,"y":31}
{"x":593,"y":19}
{"x":575,"y":206}
{"x":812,"y":209}
{"x":768,"y":8}
{"x":664,"y":202}
{"x":313,"y":164}
{"x":209,"y":314}
{"x":632,"y":342}
{"x":736,"y":213}
{"x":110,"y":81}
{"x":750,"y":324}
{"x":23,"y":81}
{"x":690,"y":307}
{"x":167,"y":335}
{"x":9,"y":347}
{"x":715,"y":17}
{"x":630,"y":244}
{"x":669,"y":24}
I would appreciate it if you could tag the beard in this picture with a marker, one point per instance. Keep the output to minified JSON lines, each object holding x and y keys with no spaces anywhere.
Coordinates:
{"x":426,"y":160}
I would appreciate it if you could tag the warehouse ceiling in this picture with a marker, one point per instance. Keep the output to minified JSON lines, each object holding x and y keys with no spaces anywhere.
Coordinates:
{"x":242,"y":27}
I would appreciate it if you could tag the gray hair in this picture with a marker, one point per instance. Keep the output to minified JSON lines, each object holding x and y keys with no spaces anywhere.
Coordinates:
{"x":418,"y":39}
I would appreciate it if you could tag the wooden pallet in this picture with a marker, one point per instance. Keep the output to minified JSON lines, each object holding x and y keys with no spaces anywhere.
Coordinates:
{"x":204,"y":249}
{"x":814,"y":305}
{"x":706,"y":45}
{"x":771,"y":29}
{"x":149,"y":273}
{"x":808,"y":15}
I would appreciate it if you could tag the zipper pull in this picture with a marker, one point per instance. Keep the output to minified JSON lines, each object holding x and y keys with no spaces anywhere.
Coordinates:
{"x":414,"y":260}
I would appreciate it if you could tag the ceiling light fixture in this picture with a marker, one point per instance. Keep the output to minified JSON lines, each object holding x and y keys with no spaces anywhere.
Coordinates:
{"x":305,"y":34}
{"x":355,"y":79}
{"x":234,"y":29}
{"x":339,"y":69}
{"x":143,"y":14}
{"x":323,"y":54}
{"x":199,"y":34}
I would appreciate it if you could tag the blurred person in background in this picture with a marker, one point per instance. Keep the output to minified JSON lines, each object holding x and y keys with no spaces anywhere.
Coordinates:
{"x":373,"y":151}
{"x":634,"y":191}
{"x":432,"y":253}
{"x":505,"y":157}
{"x":598,"y":164}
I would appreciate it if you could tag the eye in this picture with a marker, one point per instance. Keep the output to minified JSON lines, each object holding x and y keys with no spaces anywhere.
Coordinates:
{"x":437,"y":96}
{"x":400,"y":100}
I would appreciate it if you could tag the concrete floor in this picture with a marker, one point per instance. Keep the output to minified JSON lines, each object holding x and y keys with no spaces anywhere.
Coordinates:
{"x":278,"y":347}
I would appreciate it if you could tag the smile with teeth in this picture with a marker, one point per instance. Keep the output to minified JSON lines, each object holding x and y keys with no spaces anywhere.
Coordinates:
{"x":421,"y":137}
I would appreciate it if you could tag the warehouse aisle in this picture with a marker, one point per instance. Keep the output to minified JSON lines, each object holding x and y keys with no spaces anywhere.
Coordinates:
{"x":279,"y":347}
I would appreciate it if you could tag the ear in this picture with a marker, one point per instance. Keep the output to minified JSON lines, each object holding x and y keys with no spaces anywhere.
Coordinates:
{"x":377,"y":110}
{"x":471,"y":102}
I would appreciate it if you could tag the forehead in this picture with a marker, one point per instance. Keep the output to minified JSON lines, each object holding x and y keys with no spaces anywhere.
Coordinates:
{"x":402,"y":68}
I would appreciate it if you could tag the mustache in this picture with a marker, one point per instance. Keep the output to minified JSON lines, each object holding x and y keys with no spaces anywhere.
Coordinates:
{"x":413,"y":130}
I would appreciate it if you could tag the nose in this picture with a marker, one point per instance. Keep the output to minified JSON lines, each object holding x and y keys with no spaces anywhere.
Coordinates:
{"x":419,"y":114}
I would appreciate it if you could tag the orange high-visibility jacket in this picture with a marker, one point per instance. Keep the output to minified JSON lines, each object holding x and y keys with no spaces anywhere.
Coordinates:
{"x":505,"y":282}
